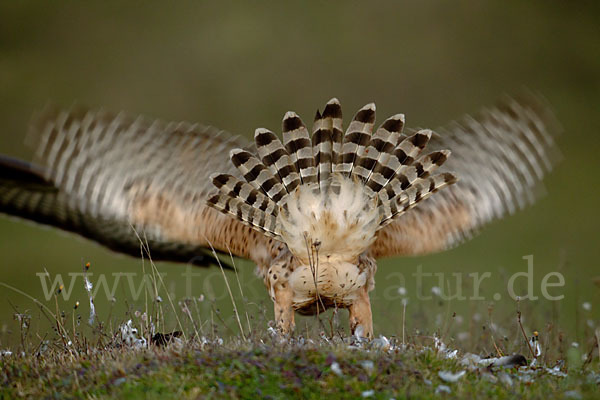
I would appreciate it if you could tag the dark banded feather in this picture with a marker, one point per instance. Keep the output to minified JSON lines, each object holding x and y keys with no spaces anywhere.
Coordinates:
{"x":256,"y":174}
{"x":380,"y":150}
{"x":276,"y":158}
{"x":333,"y":115}
{"x":356,"y":139}
{"x":322,"y":148}
{"x":250,"y":216}
{"x":233,"y":187}
{"x":419,"y":190}
{"x":297,"y":141}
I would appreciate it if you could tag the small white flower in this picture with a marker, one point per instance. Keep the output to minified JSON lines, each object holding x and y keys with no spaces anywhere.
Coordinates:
{"x":368,"y":366}
{"x":575,"y":344}
{"x":368,"y":393}
{"x":448,"y":376}
{"x":158,"y":299}
{"x":381,"y":343}
{"x":452,"y":354}
{"x":556,"y":372}
{"x":438,"y":344}
{"x":587,"y":306}
{"x":436,"y":291}
{"x":402,"y":291}
{"x":443,"y":389}
{"x":590,"y":323}
{"x":335,"y":368}
{"x":573,"y":394}
{"x":470,"y":360}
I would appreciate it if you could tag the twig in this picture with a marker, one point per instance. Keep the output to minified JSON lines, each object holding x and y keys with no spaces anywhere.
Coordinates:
{"x":598,"y":341}
{"x":403,"y":321}
{"x":498,"y":351}
{"x":314,"y":269}
{"x":525,"y":335}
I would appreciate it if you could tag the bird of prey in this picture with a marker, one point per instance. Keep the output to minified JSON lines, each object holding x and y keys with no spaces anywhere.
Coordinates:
{"x":314,"y":210}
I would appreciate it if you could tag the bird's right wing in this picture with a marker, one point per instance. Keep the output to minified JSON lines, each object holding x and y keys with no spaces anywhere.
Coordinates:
{"x":117,"y":179}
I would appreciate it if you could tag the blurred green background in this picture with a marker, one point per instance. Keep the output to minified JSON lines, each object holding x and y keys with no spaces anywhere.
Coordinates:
{"x":241,"y":65}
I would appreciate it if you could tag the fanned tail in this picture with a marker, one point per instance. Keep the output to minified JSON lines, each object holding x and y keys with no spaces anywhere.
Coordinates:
{"x":357,"y":180}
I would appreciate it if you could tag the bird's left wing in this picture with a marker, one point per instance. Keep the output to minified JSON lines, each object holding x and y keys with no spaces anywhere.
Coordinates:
{"x":117,"y":179}
{"x":500,"y":157}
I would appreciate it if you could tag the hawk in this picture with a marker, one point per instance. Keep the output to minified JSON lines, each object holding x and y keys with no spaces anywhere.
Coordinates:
{"x":314,"y":210}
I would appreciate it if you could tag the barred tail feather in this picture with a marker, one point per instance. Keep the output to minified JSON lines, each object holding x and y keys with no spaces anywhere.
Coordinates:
{"x":256,"y":174}
{"x":233,"y":187}
{"x":276,"y":158}
{"x":379,"y":152}
{"x":333,"y":113}
{"x":322,"y":148}
{"x":245,"y":213}
{"x":418,"y":191}
{"x":297,"y":142}
{"x":356,"y":140}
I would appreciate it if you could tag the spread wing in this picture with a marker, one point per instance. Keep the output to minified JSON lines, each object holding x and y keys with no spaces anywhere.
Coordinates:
{"x":111,"y":177}
{"x":500,"y":157}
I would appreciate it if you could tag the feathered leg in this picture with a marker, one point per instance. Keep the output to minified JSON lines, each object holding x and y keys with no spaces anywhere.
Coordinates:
{"x":284,"y":313}
{"x":360,"y":315}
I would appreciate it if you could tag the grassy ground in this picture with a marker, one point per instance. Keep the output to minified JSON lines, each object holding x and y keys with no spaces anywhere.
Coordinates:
{"x":269,"y":368}
{"x":172,"y":349}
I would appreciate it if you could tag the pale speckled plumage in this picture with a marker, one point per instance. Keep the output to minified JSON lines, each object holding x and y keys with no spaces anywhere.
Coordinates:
{"x":343,"y":222}
{"x":100,"y":174}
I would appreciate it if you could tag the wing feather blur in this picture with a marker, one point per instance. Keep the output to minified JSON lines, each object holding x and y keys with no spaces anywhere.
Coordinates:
{"x":106,"y":176}
{"x":500,"y":157}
